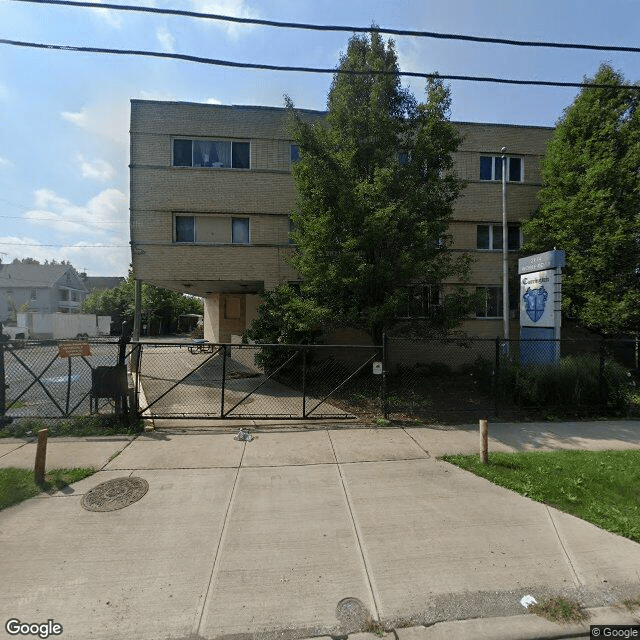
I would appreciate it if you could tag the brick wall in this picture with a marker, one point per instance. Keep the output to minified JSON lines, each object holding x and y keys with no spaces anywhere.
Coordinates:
{"x":265,"y":194}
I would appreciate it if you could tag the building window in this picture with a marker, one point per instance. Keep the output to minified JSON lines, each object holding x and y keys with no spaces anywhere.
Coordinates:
{"x":222,"y":154}
{"x":34,"y":294}
{"x":490,"y":305}
{"x":491,"y":168}
{"x":421,"y":300}
{"x":489,"y":237}
{"x":240,"y":230}
{"x":211,"y":229}
{"x":185,"y":229}
{"x":294,"y":153}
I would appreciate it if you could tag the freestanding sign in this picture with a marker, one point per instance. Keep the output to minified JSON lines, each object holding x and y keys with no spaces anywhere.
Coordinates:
{"x":540,"y":297}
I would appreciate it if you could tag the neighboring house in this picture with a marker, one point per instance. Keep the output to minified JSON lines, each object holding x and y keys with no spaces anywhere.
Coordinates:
{"x":46,"y":288}
{"x":211,"y":192}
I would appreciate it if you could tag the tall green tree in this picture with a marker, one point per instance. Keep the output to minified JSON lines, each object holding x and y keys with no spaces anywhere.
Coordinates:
{"x":590,"y":205}
{"x":375,"y":193}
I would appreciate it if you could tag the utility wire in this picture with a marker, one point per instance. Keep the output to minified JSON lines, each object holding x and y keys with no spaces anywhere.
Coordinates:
{"x":273,"y":67}
{"x":317,"y":27}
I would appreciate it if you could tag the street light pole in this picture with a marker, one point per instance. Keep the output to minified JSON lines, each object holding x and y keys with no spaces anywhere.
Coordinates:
{"x":505,"y":255}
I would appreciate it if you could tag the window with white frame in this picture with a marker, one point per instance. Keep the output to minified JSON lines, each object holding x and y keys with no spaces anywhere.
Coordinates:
{"x":490,"y":303}
{"x":211,"y":229}
{"x":489,"y":237}
{"x":491,"y":168}
{"x":221,"y":154}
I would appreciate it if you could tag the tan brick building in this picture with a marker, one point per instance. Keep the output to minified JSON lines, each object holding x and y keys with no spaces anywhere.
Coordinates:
{"x":211,"y":192}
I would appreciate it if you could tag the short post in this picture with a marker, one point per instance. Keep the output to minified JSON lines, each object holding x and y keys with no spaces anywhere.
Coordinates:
{"x":41,"y":456}
{"x":484,"y":441}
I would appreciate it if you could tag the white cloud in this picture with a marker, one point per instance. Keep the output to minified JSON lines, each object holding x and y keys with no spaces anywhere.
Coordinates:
{"x":213,"y":101}
{"x":167,"y":40}
{"x":5,"y":163}
{"x":108,"y":119}
{"x":233,"y":8}
{"x":102,"y":221}
{"x":80,"y":118}
{"x":72,"y":220}
{"x":96,"y":169}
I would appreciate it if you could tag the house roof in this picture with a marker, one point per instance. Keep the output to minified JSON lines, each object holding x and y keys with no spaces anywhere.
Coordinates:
{"x":34,"y":275}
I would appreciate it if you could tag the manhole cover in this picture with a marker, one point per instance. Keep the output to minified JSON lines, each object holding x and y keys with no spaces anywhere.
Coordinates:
{"x":115,"y":494}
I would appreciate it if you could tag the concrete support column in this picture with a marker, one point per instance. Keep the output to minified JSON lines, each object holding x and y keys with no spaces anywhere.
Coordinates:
{"x":212,"y":317}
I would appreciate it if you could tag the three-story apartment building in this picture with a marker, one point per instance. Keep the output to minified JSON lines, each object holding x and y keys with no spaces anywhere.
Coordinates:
{"x":211,"y":193}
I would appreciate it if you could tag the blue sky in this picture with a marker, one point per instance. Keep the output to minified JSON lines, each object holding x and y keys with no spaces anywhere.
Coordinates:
{"x":64,"y":116}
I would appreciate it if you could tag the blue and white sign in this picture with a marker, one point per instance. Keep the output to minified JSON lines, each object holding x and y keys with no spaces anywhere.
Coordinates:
{"x":537,"y":299}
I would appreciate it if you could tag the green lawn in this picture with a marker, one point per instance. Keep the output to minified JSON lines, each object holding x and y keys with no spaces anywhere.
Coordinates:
{"x":602,"y":487}
{"x":17,"y":485}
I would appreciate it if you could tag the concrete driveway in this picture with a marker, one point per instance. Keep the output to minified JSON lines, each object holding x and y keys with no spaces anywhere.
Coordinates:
{"x":299,"y":534}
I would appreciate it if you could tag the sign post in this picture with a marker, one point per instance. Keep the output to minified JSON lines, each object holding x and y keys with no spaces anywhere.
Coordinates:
{"x":540,"y":315}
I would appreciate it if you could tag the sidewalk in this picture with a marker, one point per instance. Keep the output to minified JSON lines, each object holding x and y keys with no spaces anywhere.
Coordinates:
{"x":306,"y":533}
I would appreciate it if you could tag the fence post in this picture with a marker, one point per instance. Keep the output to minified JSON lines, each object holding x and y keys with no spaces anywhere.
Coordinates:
{"x":224,"y":379}
{"x":121,"y":400}
{"x":3,"y":386}
{"x":496,"y":376}
{"x":304,"y":382}
{"x":383,"y":382}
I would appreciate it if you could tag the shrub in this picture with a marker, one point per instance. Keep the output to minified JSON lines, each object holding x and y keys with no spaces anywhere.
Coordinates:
{"x":575,"y":382}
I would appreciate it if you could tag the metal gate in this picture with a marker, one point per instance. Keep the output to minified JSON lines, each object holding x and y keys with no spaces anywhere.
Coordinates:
{"x":242,"y":381}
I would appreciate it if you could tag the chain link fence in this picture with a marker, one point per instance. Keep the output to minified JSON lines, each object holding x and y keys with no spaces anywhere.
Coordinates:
{"x":455,"y":380}
{"x":461,"y":379}
{"x":205,"y":380}
{"x":53,"y":380}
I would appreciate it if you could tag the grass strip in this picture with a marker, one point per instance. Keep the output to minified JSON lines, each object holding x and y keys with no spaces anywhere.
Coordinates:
{"x":17,"y":485}
{"x":601,"y":487}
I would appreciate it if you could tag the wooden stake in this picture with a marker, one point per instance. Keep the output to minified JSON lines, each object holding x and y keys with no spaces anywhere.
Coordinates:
{"x":41,"y":456}
{"x":484,"y":441}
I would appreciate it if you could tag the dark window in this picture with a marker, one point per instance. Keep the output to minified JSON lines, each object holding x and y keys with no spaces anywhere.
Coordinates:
{"x":491,"y":168}
{"x":514,"y":237}
{"x":294,"y":154}
{"x":240,"y":155}
{"x":221,"y":154}
{"x":515,"y":170}
{"x":185,"y":229}
{"x":240,"y":230}
{"x":486,"y":168}
{"x":489,"y":237}
{"x":483,"y":236}
{"x":182,"y":153}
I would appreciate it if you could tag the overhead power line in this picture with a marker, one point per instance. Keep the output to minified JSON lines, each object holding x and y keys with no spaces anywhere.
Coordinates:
{"x":318,"y":27}
{"x":273,"y":67}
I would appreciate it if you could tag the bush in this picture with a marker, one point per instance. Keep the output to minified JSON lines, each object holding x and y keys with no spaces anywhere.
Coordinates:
{"x":575,"y":382}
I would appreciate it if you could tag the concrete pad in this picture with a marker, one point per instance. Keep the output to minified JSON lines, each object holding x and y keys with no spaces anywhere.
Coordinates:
{"x":365,"y":445}
{"x":67,"y":453}
{"x":289,"y":555}
{"x":439,"y":442}
{"x":598,"y":557}
{"x":429,"y":529}
{"x":82,"y":486}
{"x":138,"y":572}
{"x":551,"y":436}
{"x":184,"y":451}
{"x":276,"y":449}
